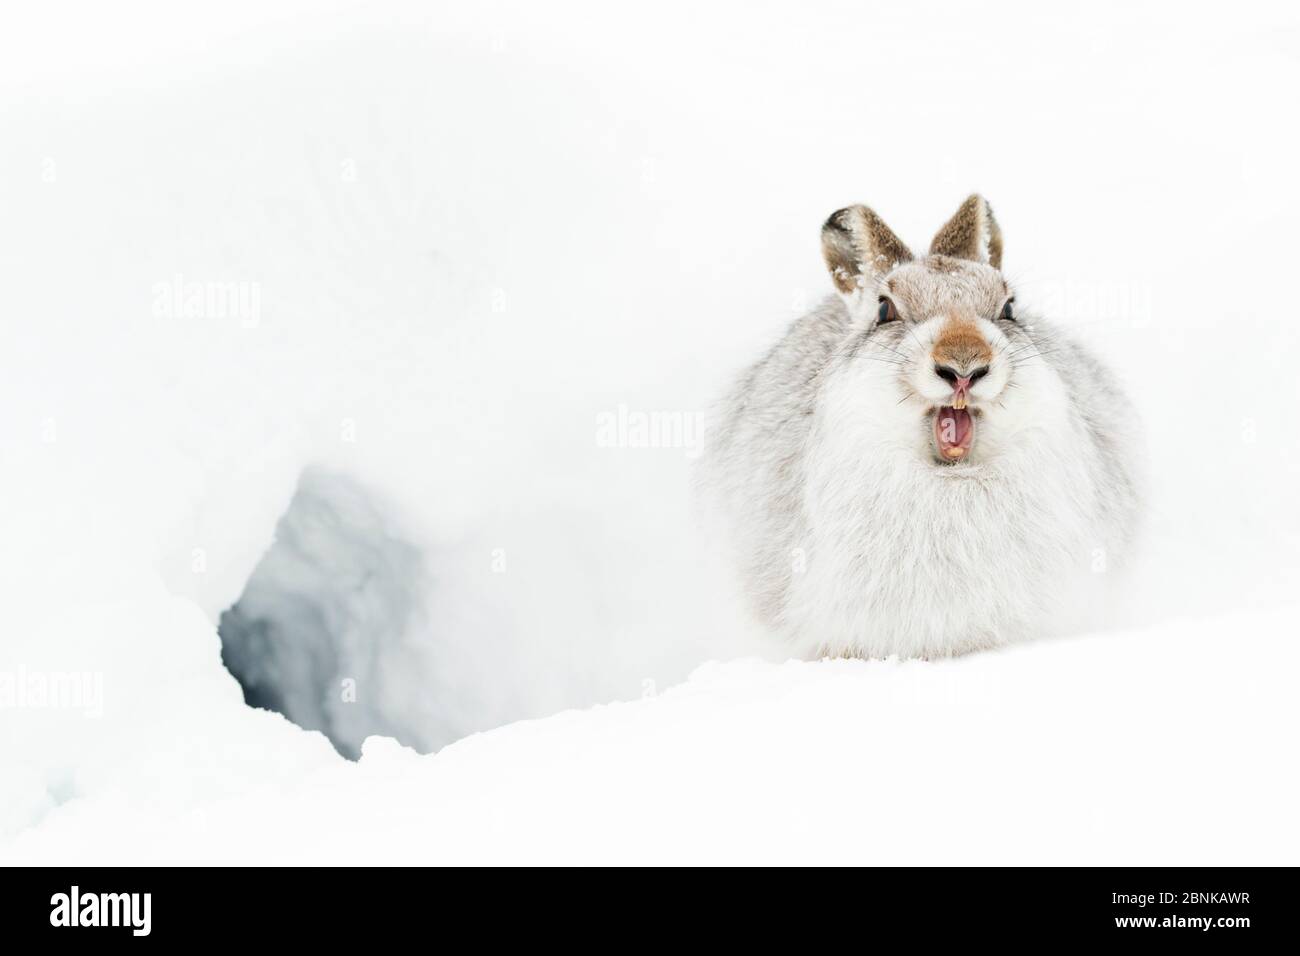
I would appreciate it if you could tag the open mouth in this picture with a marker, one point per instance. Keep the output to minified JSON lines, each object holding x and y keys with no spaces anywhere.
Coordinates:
{"x":954,"y":430}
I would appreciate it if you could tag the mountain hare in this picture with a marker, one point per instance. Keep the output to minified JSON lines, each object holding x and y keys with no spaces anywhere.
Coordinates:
{"x":916,"y":469}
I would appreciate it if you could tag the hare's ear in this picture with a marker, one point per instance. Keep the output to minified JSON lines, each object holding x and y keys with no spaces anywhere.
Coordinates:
{"x":859,"y":249}
{"x":972,"y":233}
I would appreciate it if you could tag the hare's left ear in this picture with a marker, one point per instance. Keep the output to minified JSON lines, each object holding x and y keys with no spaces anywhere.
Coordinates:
{"x":860,"y":250}
{"x":972,"y":233}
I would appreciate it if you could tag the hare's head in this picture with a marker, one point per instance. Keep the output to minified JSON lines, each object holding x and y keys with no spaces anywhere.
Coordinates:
{"x":941,"y":327}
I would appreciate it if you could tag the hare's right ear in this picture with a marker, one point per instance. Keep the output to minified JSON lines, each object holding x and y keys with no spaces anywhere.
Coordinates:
{"x":859,"y":250}
{"x":972,"y":233}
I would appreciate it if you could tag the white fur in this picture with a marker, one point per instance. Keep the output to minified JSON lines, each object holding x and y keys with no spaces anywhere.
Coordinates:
{"x":854,"y":540}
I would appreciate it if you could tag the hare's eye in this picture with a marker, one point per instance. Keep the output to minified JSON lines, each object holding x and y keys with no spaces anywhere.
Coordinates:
{"x":887,"y":311}
{"x":1007,"y":312}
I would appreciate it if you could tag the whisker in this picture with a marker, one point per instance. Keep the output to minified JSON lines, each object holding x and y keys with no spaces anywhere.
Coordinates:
{"x":887,"y":348}
{"x":1030,"y":358}
{"x":884,"y":361}
{"x":912,"y":333}
{"x":1024,"y":348}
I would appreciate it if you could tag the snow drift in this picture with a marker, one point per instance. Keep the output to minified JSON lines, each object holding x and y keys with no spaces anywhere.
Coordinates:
{"x":1033,"y":755}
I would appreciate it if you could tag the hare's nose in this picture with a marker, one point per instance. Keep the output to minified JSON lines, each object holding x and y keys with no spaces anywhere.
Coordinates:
{"x":959,"y":380}
{"x":960,"y":383}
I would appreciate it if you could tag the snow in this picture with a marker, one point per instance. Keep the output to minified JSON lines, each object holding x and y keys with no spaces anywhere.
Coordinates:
{"x":1047,"y":755}
{"x":425,"y":263}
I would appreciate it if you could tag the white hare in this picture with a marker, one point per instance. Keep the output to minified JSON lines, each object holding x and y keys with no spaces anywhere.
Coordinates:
{"x":916,"y":469}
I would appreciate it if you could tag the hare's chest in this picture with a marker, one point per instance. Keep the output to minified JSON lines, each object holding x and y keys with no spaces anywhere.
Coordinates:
{"x":945,"y":531}
{"x":897,"y":565}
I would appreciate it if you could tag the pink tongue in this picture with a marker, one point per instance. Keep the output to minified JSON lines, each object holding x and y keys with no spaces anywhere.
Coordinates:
{"x":953,"y":427}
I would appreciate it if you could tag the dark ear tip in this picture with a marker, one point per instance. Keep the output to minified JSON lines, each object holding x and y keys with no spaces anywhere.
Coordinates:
{"x":835,"y":222}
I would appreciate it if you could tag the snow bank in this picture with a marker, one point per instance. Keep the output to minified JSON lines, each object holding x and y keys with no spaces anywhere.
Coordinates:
{"x":1132,"y":748}
{"x":445,"y":256}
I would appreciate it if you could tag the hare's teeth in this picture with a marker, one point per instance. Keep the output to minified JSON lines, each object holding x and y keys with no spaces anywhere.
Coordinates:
{"x":956,"y":452}
{"x":959,"y":403}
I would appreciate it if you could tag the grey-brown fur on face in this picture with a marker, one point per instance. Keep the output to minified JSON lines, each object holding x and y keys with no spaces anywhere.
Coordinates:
{"x":859,"y":248}
{"x":972,"y":233}
{"x":942,"y":285}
